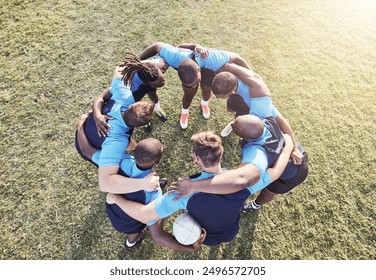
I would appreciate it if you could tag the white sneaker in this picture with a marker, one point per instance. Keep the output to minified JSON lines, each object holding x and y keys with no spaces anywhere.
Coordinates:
{"x":227,"y":130}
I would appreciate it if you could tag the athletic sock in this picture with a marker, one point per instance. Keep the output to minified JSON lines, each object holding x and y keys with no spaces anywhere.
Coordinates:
{"x":255,"y":205}
{"x":157,"y":106}
{"x":184,"y":111}
{"x":130,"y":244}
{"x":203,"y":102}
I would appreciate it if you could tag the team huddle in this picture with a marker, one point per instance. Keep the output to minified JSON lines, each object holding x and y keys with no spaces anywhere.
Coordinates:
{"x":273,"y":162}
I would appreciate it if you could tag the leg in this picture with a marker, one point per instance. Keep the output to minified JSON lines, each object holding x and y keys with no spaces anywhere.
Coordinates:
{"x":189,"y":93}
{"x":158,"y":110}
{"x":265,"y":196}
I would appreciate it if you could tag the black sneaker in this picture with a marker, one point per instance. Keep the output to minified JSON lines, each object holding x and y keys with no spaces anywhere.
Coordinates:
{"x":142,"y":236}
{"x":249,"y":207}
{"x":161,"y":115}
{"x":148,"y":127}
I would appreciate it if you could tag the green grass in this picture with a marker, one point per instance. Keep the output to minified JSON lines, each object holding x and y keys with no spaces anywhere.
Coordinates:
{"x":318,"y":58}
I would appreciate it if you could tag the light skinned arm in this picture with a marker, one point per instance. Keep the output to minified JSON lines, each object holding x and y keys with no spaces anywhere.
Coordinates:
{"x":146,"y":214}
{"x":229,"y":181}
{"x":250,"y":78}
{"x":101,"y":120}
{"x":110,"y":181}
{"x":296,"y":155}
{"x":152,"y":50}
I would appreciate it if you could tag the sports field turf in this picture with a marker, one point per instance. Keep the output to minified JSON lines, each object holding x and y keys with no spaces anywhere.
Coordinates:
{"x":317,"y":57}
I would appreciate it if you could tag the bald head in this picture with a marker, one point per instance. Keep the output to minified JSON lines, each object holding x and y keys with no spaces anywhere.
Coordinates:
{"x":248,"y":127}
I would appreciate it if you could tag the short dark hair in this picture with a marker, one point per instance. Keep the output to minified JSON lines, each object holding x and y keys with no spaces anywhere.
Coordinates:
{"x":187,"y":71}
{"x":139,"y":114}
{"x":148,"y":152}
{"x":223,"y":82}
{"x":208,"y":147}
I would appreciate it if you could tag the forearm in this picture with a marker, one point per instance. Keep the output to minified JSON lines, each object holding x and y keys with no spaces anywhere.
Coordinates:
{"x":150,"y":51}
{"x":237,"y":59}
{"x":286,"y":128}
{"x":138,"y":211}
{"x":188,"y":46}
{"x":280,"y":164}
{"x":229,"y":181}
{"x":99,"y":101}
{"x":110,"y":181}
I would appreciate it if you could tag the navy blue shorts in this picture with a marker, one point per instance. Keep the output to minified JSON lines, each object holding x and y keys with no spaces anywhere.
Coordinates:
{"x":282,"y":186}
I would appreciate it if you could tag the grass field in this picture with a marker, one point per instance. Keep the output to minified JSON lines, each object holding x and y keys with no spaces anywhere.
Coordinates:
{"x":318,"y":58}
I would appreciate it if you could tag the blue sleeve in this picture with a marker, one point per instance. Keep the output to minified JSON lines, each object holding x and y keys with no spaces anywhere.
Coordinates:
{"x":165,"y":206}
{"x":262,"y":183}
{"x":215,"y":60}
{"x":150,"y":197}
{"x":120,"y":92}
{"x":171,"y":55}
{"x":255,"y":155}
{"x":113,"y":149}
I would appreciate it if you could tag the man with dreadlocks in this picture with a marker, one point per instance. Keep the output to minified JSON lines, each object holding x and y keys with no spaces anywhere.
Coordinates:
{"x":195,"y":65}
{"x":143,"y":77}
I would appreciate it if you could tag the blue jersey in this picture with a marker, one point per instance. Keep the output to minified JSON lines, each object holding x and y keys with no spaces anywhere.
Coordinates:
{"x":215,"y":60}
{"x":261,"y":107}
{"x":173,"y":56}
{"x":115,"y":144}
{"x":218,"y":214}
{"x":119,"y":219}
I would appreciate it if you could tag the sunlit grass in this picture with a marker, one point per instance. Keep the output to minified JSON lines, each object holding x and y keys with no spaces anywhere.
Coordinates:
{"x":318,"y":58}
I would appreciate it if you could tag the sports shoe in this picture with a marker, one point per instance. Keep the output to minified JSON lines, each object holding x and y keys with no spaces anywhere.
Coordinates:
{"x":205,"y":111}
{"x":142,"y":236}
{"x":148,"y":127}
{"x":227,"y":130}
{"x":184,"y":121}
{"x":161,"y":115}
{"x":250,"y":206}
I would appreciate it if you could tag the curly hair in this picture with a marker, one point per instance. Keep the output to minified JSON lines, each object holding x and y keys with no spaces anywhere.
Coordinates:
{"x":132,"y":64}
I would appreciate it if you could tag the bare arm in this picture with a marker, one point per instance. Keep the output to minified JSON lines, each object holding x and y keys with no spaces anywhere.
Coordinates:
{"x":138,"y":211}
{"x":229,"y":181}
{"x":296,"y":155}
{"x":152,"y":50}
{"x":101,"y":120}
{"x":247,"y":76}
{"x":110,"y":181}
{"x":280,"y":164}
{"x":237,"y":59}
{"x":164,"y":238}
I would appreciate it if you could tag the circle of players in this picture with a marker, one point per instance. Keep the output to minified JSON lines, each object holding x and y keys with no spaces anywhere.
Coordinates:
{"x":273,"y":162}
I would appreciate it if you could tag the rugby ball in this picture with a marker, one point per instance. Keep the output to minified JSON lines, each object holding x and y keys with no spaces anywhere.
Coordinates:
{"x":186,"y":229}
